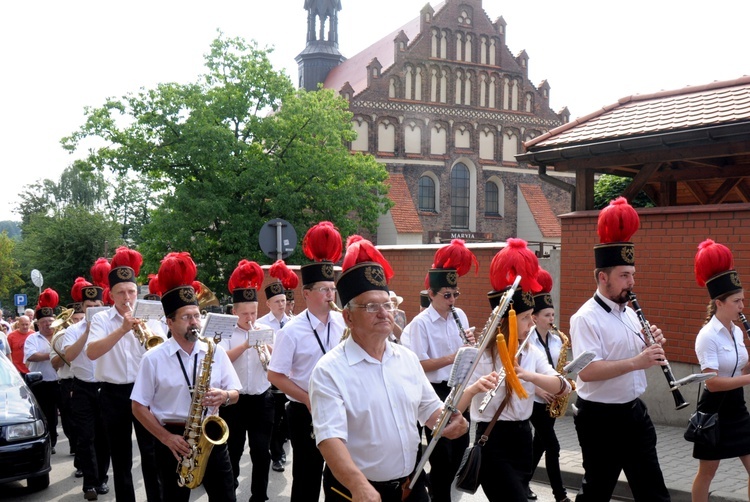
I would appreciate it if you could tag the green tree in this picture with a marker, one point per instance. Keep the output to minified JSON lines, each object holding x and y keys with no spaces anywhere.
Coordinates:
{"x":12,"y":228}
{"x":609,"y":187}
{"x":235,"y":149}
{"x":10,"y":272}
{"x":63,"y":246}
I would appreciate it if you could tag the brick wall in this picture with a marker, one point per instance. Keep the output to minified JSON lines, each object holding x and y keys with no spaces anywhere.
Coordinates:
{"x":665,"y":282}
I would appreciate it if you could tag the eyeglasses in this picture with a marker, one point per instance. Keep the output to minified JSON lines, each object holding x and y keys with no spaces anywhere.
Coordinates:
{"x":448,"y":295}
{"x":325,"y":290}
{"x":373,"y":308}
{"x":188,"y":317}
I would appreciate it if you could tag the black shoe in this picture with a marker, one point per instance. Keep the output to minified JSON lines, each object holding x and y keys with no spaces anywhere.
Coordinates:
{"x":78,"y":473}
{"x":276,"y":466}
{"x":283,"y":458}
{"x":90,"y":494}
{"x":530,"y":495}
{"x":53,"y":450}
{"x":566,"y":499}
{"x":102,"y":489}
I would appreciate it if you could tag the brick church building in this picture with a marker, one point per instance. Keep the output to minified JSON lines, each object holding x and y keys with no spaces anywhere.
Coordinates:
{"x":445,"y":106}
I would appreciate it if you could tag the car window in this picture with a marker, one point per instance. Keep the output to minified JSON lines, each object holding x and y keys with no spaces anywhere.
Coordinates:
{"x":9,"y":376}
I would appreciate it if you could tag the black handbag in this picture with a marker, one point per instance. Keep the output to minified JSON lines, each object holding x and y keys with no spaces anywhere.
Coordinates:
{"x":467,"y":476}
{"x":703,"y":428}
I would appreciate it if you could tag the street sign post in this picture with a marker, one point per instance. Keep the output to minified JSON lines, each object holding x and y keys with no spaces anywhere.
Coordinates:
{"x":20,"y":300}
{"x":277,"y":239}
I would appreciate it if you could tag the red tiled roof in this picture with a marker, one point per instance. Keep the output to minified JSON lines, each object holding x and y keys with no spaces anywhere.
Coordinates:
{"x":705,"y":105}
{"x":545,"y":219}
{"x":403,"y":212}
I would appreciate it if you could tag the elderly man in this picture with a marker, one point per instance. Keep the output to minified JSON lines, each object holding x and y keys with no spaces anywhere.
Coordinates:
{"x":169,"y":376}
{"x":367,"y":395}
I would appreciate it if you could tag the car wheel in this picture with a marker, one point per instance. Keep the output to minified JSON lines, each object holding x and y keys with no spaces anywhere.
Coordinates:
{"x":38,"y":482}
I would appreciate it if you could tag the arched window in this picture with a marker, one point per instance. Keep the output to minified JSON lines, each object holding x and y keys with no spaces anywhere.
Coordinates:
{"x":460,"y":196}
{"x":427,"y":194}
{"x":491,"y":199}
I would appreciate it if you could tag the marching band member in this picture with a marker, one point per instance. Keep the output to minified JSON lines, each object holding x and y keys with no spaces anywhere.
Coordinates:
{"x":434,"y":335}
{"x":276,"y":299}
{"x":367,"y":394}
{"x":91,"y":446}
{"x":37,"y":351}
{"x":253,"y":414}
{"x":299,"y":345}
{"x":117,"y":352}
{"x":720,"y":348}
{"x":551,"y":345}
{"x":611,"y":416}
{"x":506,"y":455}
{"x":169,"y":375}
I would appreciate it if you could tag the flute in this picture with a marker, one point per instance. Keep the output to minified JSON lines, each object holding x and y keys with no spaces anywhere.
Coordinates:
{"x":461,"y":330}
{"x":679,"y":401}
{"x":490,"y":394}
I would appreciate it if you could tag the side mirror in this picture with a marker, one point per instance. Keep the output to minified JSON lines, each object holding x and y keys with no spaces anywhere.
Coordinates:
{"x":33,"y":378}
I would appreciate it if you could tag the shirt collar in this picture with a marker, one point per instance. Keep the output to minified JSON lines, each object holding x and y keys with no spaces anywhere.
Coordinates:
{"x":172,"y":347}
{"x":614,"y":307}
{"x":356,"y":354}
{"x":718,"y":327}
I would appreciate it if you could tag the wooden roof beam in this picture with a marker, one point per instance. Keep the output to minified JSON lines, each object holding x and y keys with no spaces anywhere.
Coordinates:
{"x":724,"y":190}
{"x":697,"y":191}
{"x":640,"y":180}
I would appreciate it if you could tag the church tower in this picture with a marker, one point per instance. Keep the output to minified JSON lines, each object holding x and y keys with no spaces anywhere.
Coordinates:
{"x":321,"y":53}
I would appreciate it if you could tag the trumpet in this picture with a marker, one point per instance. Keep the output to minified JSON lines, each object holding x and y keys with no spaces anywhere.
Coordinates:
{"x":490,"y":394}
{"x":679,"y":401}
{"x":144,"y":335}
{"x":59,"y":325}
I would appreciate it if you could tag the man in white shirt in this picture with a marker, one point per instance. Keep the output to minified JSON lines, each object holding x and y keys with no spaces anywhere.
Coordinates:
{"x":118,"y":352}
{"x":276,"y":319}
{"x":611,"y":416}
{"x":169,"y":377}
{"x":92,"y":448}
{"x":367,"y":394}
{"x":434,"y":336}
{"x":37,"y":350}
{"x":252,"y":416}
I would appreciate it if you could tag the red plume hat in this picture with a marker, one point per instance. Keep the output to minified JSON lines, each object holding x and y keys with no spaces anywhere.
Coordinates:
{"x":543,"y":299}
{"x":450,"y":263}
{"x":45,"y":307}
{"x":616,"y":226}
{"x":76,"y":293}
{"x":244,"y":282}
{"x":322,"y":244}
{"x":176,"y":275}
{"x":513,"y":260}
{"x":364,"y":269}
{"x":278,"y":271}
{"x":100,"y":277}
{"x":154,"y":289}
{"x":126,"y":265}
{"x":714,"y":268}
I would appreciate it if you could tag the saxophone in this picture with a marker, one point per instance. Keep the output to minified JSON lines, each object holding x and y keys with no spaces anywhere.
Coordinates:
{"x":201,"y":433}
{"x":559,"y":405}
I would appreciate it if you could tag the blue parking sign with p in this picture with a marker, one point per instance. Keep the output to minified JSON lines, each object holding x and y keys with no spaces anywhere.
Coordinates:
{"x":20,"y":300}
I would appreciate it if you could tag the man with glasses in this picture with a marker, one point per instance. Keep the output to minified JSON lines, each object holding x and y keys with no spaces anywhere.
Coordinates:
{"x":299,"y":345}
{"x":435,"y":337}
{"x":167,"y":379}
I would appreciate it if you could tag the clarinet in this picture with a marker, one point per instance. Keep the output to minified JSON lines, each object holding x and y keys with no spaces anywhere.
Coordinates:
{"x":460,"y":327}
{"x":745,"y":324}
{"x":679,"y":401}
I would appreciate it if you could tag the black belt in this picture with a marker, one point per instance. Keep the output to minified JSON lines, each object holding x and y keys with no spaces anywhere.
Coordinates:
{"x":582,"y":404}
{"x":389,"y":485}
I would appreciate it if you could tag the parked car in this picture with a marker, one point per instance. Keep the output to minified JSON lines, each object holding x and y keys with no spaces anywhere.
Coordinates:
{"x":24,"y":438}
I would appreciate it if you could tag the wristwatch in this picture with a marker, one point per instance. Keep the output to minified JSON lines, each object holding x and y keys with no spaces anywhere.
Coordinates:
{"x":226,"y":403}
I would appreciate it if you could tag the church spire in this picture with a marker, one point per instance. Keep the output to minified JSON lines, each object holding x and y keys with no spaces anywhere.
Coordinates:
{"x":321,"y":54}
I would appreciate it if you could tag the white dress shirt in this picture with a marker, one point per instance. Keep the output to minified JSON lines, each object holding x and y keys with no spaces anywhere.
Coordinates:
{"x":430,"y":336}
{"x":296,"y":350}
{"x":612,"y":336}
{"x":719,"y":350}
{"x":36,"y":343}
{"x":82,"y":367}
{"x":372,"y":406}
{"x":161,"y":384}
{"x":554,"y":344}
{"x":120,"y":364}
{"x":253,"y":377}
{"x":531,"y":359}
{"x":270,"y":320}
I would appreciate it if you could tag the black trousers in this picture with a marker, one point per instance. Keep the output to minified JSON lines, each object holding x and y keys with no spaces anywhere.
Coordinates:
{"x":446,"y":457}
{"x":118,"y":427}
{"x":47,"y":394}
{"x":218,"y":479}
{"x":545,"y":442}
{"x":66,"y":416}
{"x":389,"y":491}
{"x":307,"y":468}
{"x":92,"y":449}
{"x":615,"y":438}
{"x":280,"y":432}
{"x":506,"y":461}
{"x":251,"y":416}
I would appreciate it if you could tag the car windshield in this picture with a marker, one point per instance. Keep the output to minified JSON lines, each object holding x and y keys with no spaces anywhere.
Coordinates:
{"x":9,"y":376}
